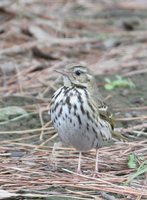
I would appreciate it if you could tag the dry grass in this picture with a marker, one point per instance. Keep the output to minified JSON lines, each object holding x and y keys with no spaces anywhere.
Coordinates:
{"x":39,"y":172}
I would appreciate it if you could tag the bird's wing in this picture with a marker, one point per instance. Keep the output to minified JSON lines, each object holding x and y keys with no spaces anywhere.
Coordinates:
{"x":106,"y":115}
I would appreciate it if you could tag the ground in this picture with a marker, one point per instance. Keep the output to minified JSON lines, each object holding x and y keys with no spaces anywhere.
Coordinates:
{"x":39,"y":37}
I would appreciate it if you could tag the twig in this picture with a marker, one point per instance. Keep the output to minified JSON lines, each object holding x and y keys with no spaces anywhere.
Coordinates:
{"x":131,"y":118}
{"x":27,"y":131}
{"x":42,"y":133}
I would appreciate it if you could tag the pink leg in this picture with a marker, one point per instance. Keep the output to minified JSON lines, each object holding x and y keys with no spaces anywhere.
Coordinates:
{"x":79,"y":163}
{"x":96,"y":161}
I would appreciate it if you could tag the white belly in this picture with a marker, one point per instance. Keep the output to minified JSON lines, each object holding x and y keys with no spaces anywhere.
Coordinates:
{"x":75,"y":127}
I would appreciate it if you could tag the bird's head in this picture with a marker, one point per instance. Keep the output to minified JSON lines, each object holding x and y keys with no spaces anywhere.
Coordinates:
{"x":78,"y":75}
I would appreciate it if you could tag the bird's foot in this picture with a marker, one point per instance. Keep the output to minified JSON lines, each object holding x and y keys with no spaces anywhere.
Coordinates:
{"x":96,"y":174}
{"x":79,"y":171}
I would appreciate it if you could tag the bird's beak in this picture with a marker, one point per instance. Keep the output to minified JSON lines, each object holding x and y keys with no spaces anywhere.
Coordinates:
{"x":63,"y":72}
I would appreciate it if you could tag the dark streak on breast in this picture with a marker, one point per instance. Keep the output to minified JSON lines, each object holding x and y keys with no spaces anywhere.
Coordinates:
{"x":88,"y":116}
{"x":59,"y":92}
{"x":87,"y":126}
{"x":82,"y":109}
{"x":68,"y":103}
{"x":79,"y":119}
{"x":60,"y":112}
{"x":94,"y":131}
{"x":56,"y":105}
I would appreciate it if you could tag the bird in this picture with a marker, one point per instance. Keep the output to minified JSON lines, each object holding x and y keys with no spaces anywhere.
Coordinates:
{"x":79,"y":114}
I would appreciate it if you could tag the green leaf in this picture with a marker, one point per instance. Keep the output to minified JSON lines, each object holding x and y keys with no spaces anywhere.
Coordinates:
{"x":132,"y":161}
{"x":109,"y":87}
{"x":118,"y":82}
{"x":141,"y":170}
{"x":10,"y":112}
{"x":107,"y":80}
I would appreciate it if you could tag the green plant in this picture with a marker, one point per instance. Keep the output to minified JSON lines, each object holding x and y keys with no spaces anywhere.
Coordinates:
{"x":119,"y":82}
{"x":132,"y":163}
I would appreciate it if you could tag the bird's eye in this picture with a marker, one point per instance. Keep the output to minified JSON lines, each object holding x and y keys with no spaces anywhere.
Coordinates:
{"x":78,"y":72}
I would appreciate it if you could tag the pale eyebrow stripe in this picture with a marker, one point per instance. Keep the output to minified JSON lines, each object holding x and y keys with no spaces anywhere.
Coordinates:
{"x":81,"y":69}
